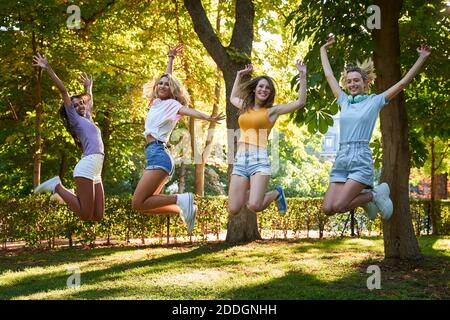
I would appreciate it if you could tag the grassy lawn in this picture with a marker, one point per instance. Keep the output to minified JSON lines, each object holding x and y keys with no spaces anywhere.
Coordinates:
{"x":268,"y":269}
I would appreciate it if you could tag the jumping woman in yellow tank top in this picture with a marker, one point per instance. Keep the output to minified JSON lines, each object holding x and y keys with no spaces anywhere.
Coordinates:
{"x":251,"y":169}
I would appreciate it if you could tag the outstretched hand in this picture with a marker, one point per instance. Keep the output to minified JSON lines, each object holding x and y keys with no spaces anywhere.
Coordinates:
{"x":40,"y":61}
{"x":331,"y":39}
{"x":248,"y":69}
{"x":173,"y":52}
{"x":301,"y":67}
{"x":424,"y":50}
{"x":86,"y":80}
{"x":217,"y":118}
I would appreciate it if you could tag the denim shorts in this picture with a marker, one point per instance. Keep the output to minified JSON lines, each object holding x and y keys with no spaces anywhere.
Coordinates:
{"x":247,"y":163}
{"x":158,"y":157}
{"x":90,"y":167}
{"x":353,"y":161}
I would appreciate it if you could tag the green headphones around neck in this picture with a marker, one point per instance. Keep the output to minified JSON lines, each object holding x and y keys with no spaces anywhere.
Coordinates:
{"x":358,"y":98}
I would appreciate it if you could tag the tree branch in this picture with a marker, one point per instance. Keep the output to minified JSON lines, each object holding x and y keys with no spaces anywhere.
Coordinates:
{"x":122,"y":68}
{"x":15,"y":117}
{"x":242,"y":36}
{"x":444,"y":156}
{"x":205,"y":32}
{"x":115,"y":126}
{"x":98,"y":13}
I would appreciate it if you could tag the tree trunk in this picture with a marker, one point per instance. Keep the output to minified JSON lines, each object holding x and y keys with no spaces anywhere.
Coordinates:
{"x":241,"y":228}
{"x":182,"y":181}
{"x":200,"y":167}
{"x":433,"y":216}
{"x":38,"y":128}
{"x":200,"y":159}
{"x":106,"y":134}
{"x":441,"y":186}
{"x":63,"y":166}
{"x":352,"y":223}
{"x":244,"y":226}
{"x":200,"y":179}
{"x":399,"y":239}
{"x":194,"y":150}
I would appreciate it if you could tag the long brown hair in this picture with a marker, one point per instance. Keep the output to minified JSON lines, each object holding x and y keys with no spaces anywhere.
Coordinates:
{"x":247,"y":93}
{"x":65,"y":119}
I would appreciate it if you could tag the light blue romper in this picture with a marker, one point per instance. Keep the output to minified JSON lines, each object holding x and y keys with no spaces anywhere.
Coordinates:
{"x":357,"y":121}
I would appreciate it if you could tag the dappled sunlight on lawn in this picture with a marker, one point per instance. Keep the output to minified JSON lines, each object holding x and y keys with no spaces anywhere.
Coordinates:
{"x":442,"y":245}
{"x":267,"y":269}
{"x":362,"y":242}
{"x":196,"y":277}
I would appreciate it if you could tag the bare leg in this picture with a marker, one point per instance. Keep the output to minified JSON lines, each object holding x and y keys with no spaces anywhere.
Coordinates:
{"x":237,"y":194}
{"x":331,"y":196}
{"x":360,"y":200}
{"x":144,"y":197}
{"x":259,"y":199}
{"x":161,"y":186}
{"x":343,"y":197}
{"x":81,"y":203}
{"x":351,"y":195}
{"x":99,"y":202}
{"x":170,"y":208}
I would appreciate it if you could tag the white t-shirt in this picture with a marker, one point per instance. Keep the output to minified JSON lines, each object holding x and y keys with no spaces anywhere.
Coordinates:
{"x":162,"y":118}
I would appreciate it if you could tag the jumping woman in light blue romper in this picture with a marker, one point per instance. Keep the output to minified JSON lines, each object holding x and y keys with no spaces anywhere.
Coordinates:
{"x":351,"y":178}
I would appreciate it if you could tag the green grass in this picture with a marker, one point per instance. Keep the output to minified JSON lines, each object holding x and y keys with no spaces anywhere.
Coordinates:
{"x":268,"y":269}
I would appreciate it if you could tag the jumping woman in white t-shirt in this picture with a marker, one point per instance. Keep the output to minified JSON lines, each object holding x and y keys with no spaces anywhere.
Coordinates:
{"x":168,"y":101}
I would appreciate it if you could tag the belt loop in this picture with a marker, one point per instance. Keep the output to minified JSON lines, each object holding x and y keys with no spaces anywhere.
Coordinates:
{"x":156,"y":142}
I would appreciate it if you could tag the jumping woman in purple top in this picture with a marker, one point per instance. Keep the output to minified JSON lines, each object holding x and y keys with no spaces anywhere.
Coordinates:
{"x":89,"y":201}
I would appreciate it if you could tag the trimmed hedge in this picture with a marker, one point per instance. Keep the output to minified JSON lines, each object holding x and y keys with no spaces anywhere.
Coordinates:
{"x":37,"y":219}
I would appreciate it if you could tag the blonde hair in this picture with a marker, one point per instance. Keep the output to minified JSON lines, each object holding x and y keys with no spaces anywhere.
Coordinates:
{"x":366,"y":69}
{"x":178,"y":91}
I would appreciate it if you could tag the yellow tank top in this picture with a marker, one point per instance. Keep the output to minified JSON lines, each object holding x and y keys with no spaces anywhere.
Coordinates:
{"x":255,"y":126}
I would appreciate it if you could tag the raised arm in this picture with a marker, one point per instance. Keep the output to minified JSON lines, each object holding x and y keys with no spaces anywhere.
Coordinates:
{"x":185,"y":111}
{"x":424,"y":51}
{"x":334,"y":84}
{"x":87,"y":82}
{"x":234,"y":98}
{"x":173,"y":52}
{"x":300,"y":102}
{"x":41,"y":61}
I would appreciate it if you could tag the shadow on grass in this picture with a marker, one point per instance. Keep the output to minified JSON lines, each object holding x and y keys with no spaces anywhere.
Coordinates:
{"x":424,"y":279}
{"x":427,"y":279}
{"x":405,"y":280}
{"x":19,"y":260}
{"x":426,"y":244}
{"x":32,"y":284}
{"x":333,"y":244}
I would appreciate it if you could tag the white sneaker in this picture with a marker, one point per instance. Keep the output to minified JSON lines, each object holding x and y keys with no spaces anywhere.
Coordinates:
{"x":186,"y":203}
{"x":191,"y":223}
{"x":48,"y":185}
{"x":370,"y":210}
{"x":382,"y":200}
